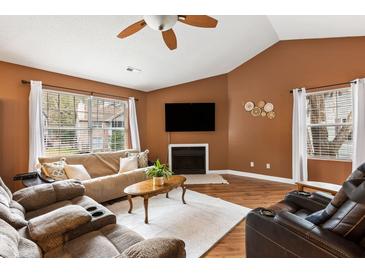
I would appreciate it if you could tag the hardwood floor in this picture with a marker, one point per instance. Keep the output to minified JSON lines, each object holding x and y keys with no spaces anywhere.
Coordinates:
{"x":247,"y":192}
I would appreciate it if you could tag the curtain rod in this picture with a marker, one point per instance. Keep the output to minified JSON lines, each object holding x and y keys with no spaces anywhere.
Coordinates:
{"x":78,"y":90}
{"x":327,"y":86}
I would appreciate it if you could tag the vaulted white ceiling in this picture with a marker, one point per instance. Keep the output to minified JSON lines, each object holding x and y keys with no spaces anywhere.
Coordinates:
{"x":87,"y":46}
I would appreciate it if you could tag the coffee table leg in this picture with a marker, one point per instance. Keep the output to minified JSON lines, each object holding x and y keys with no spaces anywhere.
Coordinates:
{"x":130,"y":203}
{"x":183,"y":193}
{"x":145,"y":208}
{"x":167,"y":194}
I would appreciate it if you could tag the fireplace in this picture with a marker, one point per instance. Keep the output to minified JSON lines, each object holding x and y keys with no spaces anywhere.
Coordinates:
{"x":188,"y":158}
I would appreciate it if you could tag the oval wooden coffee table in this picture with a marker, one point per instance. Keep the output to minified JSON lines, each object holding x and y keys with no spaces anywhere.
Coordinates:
{"x":147,"y":189}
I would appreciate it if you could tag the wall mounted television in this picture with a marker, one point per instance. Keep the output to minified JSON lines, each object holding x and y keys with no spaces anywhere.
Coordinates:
{"x":189,"y":117}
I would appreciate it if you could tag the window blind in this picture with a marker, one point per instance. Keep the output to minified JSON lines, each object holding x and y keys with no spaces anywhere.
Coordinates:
{"x":329,"y":124}
{"x":76,"y":124}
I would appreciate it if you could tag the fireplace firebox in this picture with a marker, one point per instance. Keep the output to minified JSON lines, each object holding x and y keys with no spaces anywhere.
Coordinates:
{"x":188,"y":159}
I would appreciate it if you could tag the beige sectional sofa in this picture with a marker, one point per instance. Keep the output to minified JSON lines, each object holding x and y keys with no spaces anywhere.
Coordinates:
{"x":105,"y":183}
{"x":58,"y":220}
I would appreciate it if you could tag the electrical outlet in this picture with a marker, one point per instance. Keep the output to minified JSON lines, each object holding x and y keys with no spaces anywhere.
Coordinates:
{"x":252,"y":164}
{"x":268,"y":166}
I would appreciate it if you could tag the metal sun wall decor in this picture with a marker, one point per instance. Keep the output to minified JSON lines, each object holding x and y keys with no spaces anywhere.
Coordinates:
{"x":261,"y":109}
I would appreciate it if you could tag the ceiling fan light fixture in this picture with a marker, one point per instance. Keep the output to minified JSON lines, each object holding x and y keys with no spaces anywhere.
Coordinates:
{"x":160,"y":22}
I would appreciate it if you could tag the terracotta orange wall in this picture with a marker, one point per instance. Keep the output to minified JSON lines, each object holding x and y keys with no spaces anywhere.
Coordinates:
{"x":269,"y":76}
{"x":14,"y":111}
{"x":208,"y":90}
{"x":239,"y":138}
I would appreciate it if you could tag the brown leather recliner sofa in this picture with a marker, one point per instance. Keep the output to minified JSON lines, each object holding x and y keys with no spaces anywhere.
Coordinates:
{"x":311,"y":225}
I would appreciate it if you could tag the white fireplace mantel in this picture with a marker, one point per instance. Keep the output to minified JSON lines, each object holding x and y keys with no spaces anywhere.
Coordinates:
{"x":191,"y":145}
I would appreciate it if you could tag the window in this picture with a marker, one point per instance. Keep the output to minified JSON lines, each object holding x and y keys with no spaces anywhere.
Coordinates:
{"x":75,"y":124}
{"x":329,"y":124}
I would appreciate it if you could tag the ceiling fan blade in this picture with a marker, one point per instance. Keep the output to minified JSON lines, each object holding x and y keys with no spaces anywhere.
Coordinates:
{"x":132,"y":29}
{"x":202,"y":21}
{"x":170,"y":39}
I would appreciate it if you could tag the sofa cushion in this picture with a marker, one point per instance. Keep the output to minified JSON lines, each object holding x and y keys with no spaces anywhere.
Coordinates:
{"x":5,"y":194}
{"x":5,"y":187}
{"x":10,"y":211}
{"x":4,"y":197}
{"x":156,"y":248}
{"x":39,"y":196}
{"x":348,"y":221}
{"x":36,"y":196}
{"x":28,"y":249}
{"x":128,"y":164}
{"x":12,"y":245}
{"x":43,"y":210}
{"x":110,"y":187}
{"x":12,"y":215}
{"x":9,"y":241}
{"x":77,"y":172}
{"x":141,"y":156}
{"x":110,"y":241}
{"x":55,"y":170}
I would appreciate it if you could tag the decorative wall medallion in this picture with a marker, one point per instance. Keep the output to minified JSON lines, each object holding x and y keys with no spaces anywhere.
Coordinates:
{"x":249,"y":106}
{"x":268,"y":107}
{"x":271,"y":115}
{"x":262,"y":109}
{"x":256,"y":111}
{"x":261,"y":104}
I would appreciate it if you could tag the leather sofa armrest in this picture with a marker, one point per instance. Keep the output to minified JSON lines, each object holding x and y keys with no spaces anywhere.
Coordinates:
{"x":288,"y":235}
{"x":50,"y":230}
{"x":156,"y":248}
{"x":310,"y":201}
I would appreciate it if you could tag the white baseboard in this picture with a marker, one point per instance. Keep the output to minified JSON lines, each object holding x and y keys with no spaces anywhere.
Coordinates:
{"x":253,"y":175}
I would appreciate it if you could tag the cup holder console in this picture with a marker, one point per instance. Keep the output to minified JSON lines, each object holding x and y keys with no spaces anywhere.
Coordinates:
{"x":303,"y":193}
{"x":95,"y":211}
{"x":91,"y":208}
{"x":97,"y":214}
{"x":267,"y":212}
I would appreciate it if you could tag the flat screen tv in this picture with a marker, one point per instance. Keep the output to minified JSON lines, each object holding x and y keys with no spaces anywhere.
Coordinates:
{"x":190,"y":117}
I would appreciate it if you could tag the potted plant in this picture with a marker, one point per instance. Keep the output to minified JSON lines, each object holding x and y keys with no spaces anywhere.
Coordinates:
{"x":159,"y":172}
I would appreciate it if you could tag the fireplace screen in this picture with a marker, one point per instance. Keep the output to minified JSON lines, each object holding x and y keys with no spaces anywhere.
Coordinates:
{"x":188,"y":160}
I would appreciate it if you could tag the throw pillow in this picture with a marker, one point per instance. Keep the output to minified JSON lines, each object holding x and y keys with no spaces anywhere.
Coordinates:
{"x":128,"y":164}
{"x":55,"y":170}
{"x":141,"y":156}
{"x":77,"y":172}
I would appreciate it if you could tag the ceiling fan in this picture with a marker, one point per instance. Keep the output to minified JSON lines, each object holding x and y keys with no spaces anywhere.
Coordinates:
{"x":164,"y":24}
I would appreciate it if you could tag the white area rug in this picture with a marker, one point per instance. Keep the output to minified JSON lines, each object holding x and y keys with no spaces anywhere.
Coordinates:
{"x":200,"y":223}
{"x":201,"y":179}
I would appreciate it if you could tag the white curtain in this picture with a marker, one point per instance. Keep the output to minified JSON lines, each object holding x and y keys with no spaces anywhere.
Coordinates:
{"x":133,"y":123}
{"x":36,"y":140}
{"x":358,"y":116}
{"x":299,"y":136}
